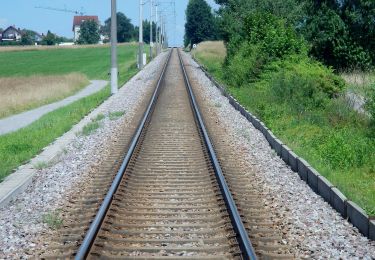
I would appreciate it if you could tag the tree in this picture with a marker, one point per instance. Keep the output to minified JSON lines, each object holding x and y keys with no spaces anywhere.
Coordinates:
{"x":146,"y":31}
{"x":27,"y":38}
{"x":89,"y":32}
{"x":200,"y":23}
{"x":49,"y":39}
{"x":125,"y":29}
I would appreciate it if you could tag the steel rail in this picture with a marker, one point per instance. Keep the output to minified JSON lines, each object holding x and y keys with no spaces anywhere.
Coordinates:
{"x":241,"y":233}
{"x":97,"y":222}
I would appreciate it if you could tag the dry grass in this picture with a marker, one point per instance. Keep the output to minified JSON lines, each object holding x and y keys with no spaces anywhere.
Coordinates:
{"x":45,"y":47}
{"x":211,"y":49}
{"x":18,"y":94}
{"x":359,"y":82}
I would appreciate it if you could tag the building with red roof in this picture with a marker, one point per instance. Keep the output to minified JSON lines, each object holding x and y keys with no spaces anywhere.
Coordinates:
{"x":78,"y":20}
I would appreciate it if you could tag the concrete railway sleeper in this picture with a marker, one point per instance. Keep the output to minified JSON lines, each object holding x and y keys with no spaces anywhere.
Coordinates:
{"x":170,"y":197}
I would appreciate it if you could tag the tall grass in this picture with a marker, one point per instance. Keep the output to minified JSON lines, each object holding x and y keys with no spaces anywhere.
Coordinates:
{"x":24,"y":93}
{"x":212,"y":53}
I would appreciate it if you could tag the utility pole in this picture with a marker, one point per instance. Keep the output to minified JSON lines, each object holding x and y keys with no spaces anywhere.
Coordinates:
{"x":140,"y":52}
{"x":157,"y":30}
{"x":151,"y":43}
{"x":114,"y":68}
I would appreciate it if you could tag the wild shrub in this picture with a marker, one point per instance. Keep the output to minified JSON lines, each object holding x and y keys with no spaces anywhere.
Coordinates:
{"x":275,"y":38}
{"x":267,"y":39}
{"x":303,"y":83}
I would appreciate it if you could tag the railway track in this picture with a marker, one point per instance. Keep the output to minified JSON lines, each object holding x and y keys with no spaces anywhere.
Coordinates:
{"x":169,"y":198}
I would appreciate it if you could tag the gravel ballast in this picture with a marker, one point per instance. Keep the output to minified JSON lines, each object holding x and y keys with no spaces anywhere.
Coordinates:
{"x":35,"y":211}
{"x":312,"y":228}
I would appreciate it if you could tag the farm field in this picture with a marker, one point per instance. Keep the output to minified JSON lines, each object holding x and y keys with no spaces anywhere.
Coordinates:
{"x":57,"y":64}
{"x":335,"y":140}
{"x":35,"y":77}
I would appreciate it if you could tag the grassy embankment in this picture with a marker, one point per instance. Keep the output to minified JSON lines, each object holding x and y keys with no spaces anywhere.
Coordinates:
{"x":334,"y":139}
{"x":18,"y":147}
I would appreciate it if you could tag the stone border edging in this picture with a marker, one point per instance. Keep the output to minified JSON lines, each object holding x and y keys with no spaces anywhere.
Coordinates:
{"x":318,"y":183}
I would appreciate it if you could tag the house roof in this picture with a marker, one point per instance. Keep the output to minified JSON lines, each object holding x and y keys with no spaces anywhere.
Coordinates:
{"x":11,"y":27}
{"x":79,"y":19}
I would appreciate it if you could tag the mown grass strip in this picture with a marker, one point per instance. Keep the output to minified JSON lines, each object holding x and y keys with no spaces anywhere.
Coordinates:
{"x":19,"y":147}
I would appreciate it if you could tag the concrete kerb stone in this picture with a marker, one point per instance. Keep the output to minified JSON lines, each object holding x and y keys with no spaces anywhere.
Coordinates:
{"x":302,"y":168}
{"x":292,"y":159}
{"x":338,"y":202}
{"x":325,"y":188}
{"x":285,"y":153}
{"x":358,"y":217}
{"x":278,"y":146}
{"x":14,"y":184}
{"x":312,"y":178}
{"x":371,"y":230}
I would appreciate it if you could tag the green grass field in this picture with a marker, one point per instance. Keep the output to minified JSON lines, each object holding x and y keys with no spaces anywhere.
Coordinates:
{"x":19,"y":147}
{"x":93,"y":62}
{"x":335,"y":140}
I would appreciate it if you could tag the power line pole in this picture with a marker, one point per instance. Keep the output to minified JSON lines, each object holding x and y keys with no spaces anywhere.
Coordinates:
{"x":151,"y":43}
{"x":140,"y":52}
{"x":157,"y":30}
{"x":114,"y":68}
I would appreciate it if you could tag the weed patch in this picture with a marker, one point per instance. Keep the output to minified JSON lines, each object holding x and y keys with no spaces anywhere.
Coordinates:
{"x":90,"y":128}
{"x":41,"y":165}
{"x":53,"y":219}
{"x":116,"y":115}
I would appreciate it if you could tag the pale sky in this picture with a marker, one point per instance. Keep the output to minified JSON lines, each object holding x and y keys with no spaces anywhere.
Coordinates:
{"x":23,"y":14}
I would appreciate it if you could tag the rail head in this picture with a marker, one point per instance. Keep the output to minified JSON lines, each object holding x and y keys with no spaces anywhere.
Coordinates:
{"x":86,"y":245}
{"x":246,"y":247}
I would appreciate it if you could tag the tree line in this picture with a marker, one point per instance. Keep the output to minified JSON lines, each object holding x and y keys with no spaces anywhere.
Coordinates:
{"x":339,"y":33}
{"x":90,"y":33}
{"x":126,"y":32}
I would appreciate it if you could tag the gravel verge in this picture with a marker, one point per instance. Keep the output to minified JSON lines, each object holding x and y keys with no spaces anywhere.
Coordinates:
{"x":35,"y":211}
{"x":311,"y":226}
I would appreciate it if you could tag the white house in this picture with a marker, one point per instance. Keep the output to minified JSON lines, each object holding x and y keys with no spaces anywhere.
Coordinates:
{"x":78,"y":20}
{"x":11,"y":34}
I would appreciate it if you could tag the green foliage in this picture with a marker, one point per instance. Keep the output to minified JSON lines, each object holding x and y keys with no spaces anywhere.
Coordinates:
{"x":116,"y":115}
{"x":275,"y":38}
{"x":41,"y":165}
{"x":53,"y":219}
{"x":93,"y":62}
{"x":302,"y":78}
{"x":99,"y":117}
{"x":27,"y":38}
{"x":125,"y":29}
{"x":336,"y":140}
{"x":146,"y":31}
{"x":337,"y":152}
{"x":90,"y":128}
{"x":200,"y":23}
{"x":89,"y":32}
{"x":331,"y":42}
{"x":49,"y":39}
